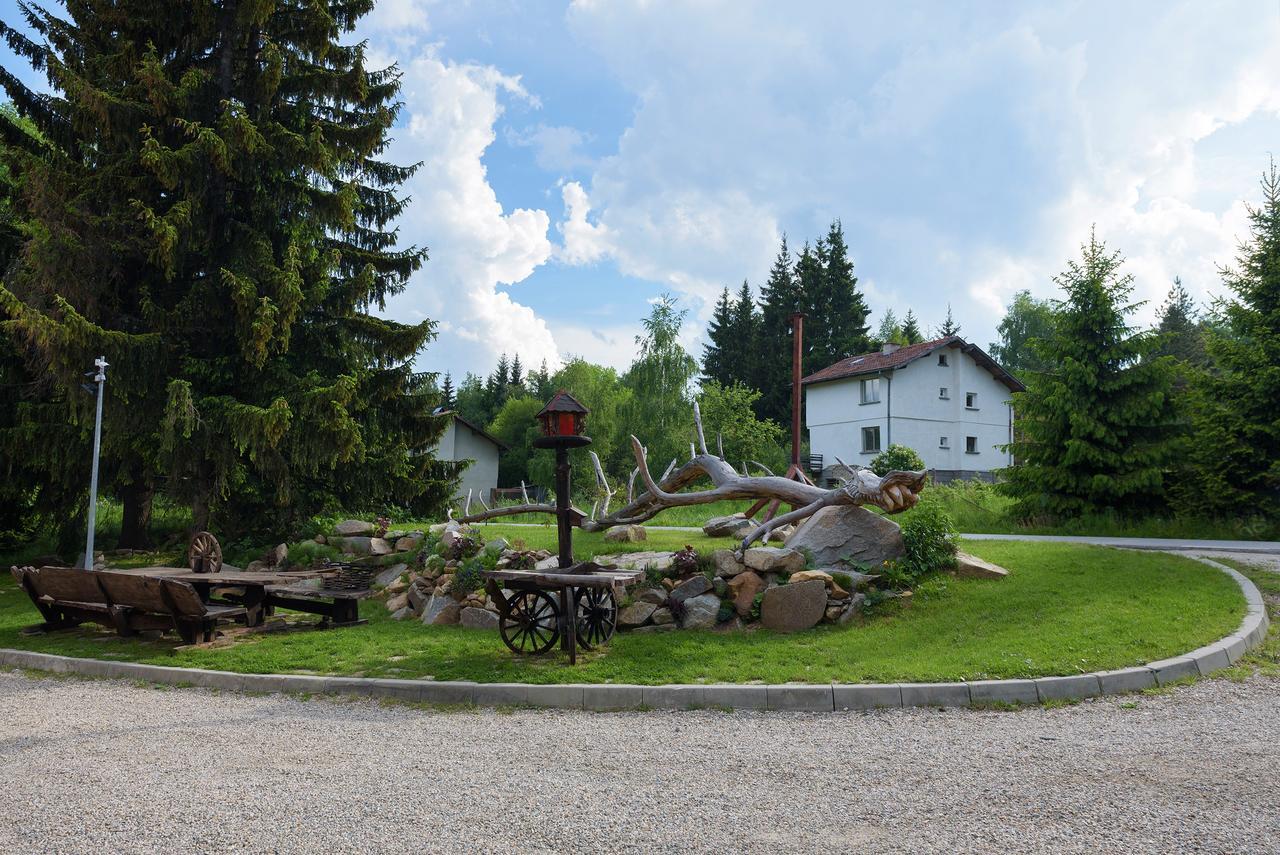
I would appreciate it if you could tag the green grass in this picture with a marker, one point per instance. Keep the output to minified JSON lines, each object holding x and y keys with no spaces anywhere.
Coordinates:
{"x":1064,"y":609}
{"x":1265,"y":658}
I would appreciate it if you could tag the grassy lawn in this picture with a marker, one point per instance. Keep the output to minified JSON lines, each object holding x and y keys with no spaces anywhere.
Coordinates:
{"x":1064,"y":609}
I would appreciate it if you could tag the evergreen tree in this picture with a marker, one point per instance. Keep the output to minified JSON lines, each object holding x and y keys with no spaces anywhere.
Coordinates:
{"x":1181,"y":334}
{"x":743,"y":363}
{"x":208,"y":209}
{"x":890,"y":331}
{"x":472,"y":402}
{"x":779,"y":299}
{"x":447,"y":398}
{"x":517,"y":375}
{"x":1093,"y":433}
{"x":1237,"y":420}
{"x":719,"y":338}
{"x":1026,"y":320}
{"x":837,"y":324}
{"x":949,"y":326}
{"x":911,"y":329}
{"x":540,"y":385}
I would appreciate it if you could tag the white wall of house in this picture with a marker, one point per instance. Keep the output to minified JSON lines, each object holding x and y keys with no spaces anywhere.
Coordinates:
{"x":921,"y":417}
{"x":460,"y":442}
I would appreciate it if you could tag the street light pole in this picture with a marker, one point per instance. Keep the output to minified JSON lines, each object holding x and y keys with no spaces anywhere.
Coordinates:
{"x":100,"y":378}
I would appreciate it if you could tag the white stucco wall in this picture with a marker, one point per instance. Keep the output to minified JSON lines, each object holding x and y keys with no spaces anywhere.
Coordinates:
{"x":460,"y":442}
{"x":835,"y":417}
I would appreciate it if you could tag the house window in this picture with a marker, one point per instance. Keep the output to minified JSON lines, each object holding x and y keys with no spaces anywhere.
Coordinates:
{"x":943,"y":442}
{"x":942,"y":393}
{"x":970,"y":445}
{"x":870,"y":439}
{"x":871,"y":391}
{"x":971,"y":400}
{"x":942,"y":360}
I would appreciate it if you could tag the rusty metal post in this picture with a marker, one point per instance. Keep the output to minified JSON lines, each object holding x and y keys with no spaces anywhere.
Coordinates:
{"x":797,"y":355}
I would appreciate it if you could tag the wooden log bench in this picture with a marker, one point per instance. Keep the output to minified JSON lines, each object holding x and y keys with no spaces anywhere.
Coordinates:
{"x":338,"y":606}
{"x":68,"y":596}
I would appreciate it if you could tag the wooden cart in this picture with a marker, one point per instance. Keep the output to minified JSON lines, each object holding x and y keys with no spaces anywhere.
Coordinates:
{"x":531,"y":619}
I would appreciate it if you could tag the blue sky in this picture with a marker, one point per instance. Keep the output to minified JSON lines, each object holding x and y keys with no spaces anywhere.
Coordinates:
{"x":581,"y":158}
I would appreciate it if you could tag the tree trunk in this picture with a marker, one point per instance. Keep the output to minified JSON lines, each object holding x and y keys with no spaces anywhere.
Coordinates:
{"x":135,"y":527}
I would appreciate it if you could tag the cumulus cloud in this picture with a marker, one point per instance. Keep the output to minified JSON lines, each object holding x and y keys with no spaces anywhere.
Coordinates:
{"x":557,"y":148}
{"x":584,"y":242}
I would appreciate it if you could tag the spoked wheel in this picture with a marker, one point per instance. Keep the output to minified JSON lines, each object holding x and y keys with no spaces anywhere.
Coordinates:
{"x":205,"y":555}
{"x":531,"y":623}
{"x":597,"y":616}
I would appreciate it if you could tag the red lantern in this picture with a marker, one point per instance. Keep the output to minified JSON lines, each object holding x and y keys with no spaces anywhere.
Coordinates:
{"x":563,"y":416}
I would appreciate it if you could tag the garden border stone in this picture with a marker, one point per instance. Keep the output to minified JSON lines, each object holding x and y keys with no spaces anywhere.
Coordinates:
{"x":740,"y":696}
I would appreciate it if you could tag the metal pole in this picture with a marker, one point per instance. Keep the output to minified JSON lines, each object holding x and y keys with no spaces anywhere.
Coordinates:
{"x":100,"y":378}
{"x":797,"y":336}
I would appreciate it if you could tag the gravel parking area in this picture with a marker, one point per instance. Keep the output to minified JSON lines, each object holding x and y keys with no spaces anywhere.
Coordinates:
{"x":94,"y":766}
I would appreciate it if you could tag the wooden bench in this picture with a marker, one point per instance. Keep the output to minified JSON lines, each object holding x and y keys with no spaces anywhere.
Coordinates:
{"x":341,"y":609}
{"x":68,"y":596}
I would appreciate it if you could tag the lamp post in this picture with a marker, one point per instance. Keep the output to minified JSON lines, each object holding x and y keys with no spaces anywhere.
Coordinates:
{"x":563,"y":419}
{"x":100,"y":377}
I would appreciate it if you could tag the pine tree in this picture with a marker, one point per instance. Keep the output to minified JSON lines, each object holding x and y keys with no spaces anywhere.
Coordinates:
{"x":911,"y":329}
{"x":447,"y":398}
{"x":742,"y":366}
{"x":1094,"y":433}
{"x":208,"y":209}
{"x":517,"y":374}
{"x":1181,"y":335}
{"x":779,"y":299}
{"x":719,"y":333}
{"x":816,"y":304}
{"x":889,"y":331}
{"x":949,"y":326}
{"x":837,"y":325}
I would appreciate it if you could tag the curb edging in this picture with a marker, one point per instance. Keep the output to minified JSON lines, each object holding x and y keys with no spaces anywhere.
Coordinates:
{"x":802,"y":697}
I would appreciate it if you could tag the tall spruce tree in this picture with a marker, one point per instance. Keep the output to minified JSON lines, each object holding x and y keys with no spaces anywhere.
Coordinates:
{"x":837,"y":324}
{"x":207,"y":207}
{"x":779,"y":299}
{"x":911,"y":329}
{"x":949,"y":326}
{"x":1181,"y":334}
{"x":744,"y":340}
{"x":1093,"y":433}
{"x":448,"y":400}
{"x":719,"y":340}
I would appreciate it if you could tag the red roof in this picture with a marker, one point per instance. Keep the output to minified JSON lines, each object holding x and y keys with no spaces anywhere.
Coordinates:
{"x":874,"y":363}
{"x":562,"y":402}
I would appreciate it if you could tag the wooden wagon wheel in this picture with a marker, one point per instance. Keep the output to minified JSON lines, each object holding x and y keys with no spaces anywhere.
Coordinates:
{"x":205,"y":555}
{"x":597,"y":616}
{"x":531,"y":623}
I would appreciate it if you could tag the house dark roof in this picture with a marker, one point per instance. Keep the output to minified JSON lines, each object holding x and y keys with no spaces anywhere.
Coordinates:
{"x":563,"y":402}
{"x":874,"y":363}
{"x":484,"y":433}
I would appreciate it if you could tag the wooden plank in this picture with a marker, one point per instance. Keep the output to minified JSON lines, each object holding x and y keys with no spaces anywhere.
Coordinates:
{"x":68,"y":584}
{"x":140,"y":592}
{"x":320,"y":593}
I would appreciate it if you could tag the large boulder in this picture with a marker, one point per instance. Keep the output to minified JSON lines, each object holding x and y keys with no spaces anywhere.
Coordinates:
{"x":379,"y":546}
{"x":477,"y":618}
{"x":848,"y":533}
{"x":791,"y":608}
{"x":353,"y":528}
{"x":692,"y":587}
{"x":358,"y":545}
{"x":626,"y":534}
{"x":744,"y":588}
{"x":727,"y":563}
{"x":701,"y":612}
{"x":972,"y":567}
{"x":441,"y":609}
{"x":408,"y":542}
{"x":398,"y":602}
{"x":636,"y":614}
{"x":390,"y":574}
{"x":657,"y":596}
{"x":734,"y":525}
{"x":773,"y":559}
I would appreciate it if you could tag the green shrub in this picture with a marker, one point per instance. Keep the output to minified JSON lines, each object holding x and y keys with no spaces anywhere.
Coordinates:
{"x":726,"y":612}
{"x":308,"y":552}
{"x":896,"y":457}
{"x":468,"y":577}
{"x":755,"y":606}
{"x":653,"y":574}
{"x":929,"y":537}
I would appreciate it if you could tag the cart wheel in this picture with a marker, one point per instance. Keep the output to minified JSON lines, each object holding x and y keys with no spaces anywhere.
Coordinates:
{"x":205,"y":555}
{"x":531,"y":623}
{"x":597,"y":616}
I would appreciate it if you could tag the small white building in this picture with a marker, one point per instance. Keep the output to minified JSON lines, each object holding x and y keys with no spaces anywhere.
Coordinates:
{"x":463,"y":440}
{"x":946,"y":399}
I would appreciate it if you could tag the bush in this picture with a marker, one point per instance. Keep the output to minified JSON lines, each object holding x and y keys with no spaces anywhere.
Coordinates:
{"x":929,"y":536}
{"x":685,"y":561}
{"x":308,"y":553}
{"x":896,"y":457}
{"x":468,"y":577}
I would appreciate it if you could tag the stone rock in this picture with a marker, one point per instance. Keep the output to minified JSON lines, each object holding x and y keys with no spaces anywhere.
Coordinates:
{"x":626,"y":534}
{"x":441,"y":610}
{"x":389,"y":575}
{"x":353,"y":528}
{"x":417,"y":596}
{"x":408,"y":543}
{"x":774,"y":559}
{"x":662,"y":616}
{"x":782,"y":533}
{"x":701,"y":612}
{"x":848,"y":533}
{"x":852,"y":610}
{"x":636,"y":614}
{"x":692,"y":587}
{"x":402,"y":614}
{"x":734,"y":525}
{"x":277,"y":555}
{"x":379,"y":546}
{"x":496,"y":545}
{"x":450,"y":536}
{"x":438,"y":527}
{"x":833,"y":612}
{"x":398,"y":602}
{"x":399,"y":586}
{"x":744,"y":588}
{"x":791,"y":608}
{"x":805,"y":575}
{"x":657,"y":596}
{"x":444,"y":583}
{"x":727,"y":563}
{"x":477,"y":618}
{"x":320,"y":539}
{"x":719,"y":587}
{"x":256,"y":567}
{"x":547,"y":563}
{"x":636,"y":560}
{"x":972,"y":567}
{"x":669,"y":584}
{"x":356,"y":545}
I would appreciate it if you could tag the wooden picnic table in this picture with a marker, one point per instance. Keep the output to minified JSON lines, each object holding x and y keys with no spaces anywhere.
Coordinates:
{"x":266,"y":591}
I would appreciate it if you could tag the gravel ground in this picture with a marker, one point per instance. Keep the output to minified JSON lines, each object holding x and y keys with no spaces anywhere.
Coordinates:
{"x":96,"y":766}
{"x":1265,"y":561}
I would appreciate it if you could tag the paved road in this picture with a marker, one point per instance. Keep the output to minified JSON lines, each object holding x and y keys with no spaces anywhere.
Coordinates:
{"x":93,"y":766}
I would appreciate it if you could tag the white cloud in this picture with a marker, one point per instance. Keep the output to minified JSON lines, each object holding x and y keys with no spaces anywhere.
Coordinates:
{"x":584,"y":242}
{"x":557,"y":148}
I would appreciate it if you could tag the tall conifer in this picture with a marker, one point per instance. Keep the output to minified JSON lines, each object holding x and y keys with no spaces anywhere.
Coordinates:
{"x":779,"y":299}
{"x":719,"y":331}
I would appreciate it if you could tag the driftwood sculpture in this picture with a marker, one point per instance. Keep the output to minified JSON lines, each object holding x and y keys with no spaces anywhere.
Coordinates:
{"x":895,"y":492}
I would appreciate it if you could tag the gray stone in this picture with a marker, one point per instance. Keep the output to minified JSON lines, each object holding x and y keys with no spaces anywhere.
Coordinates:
{"x":378,"y":546}
{"x":441,"y":610}
{"x":790,"y":608}
{"x":662,"y":616}
{"x":398,"y":602}
{"x":356,"y":545}
{"x":475,"y":618}
{"x":417,"y":596}
{"x":734,"y":525}
{"x":852,"y":610}
{"x":1177,"y":668}
{"x":972,"y":567}
{"x":1211,"y":658}
{"x":636,"y":560}
{"x":450,"y":693}
{"x":498,"y":544}
{"x":657,"y":596}
{"x":806,"y":698}
{"x":408,"y":543}
{"x":674,"y":697}
{"x":848,"y":533}
{"x":719,"y":587}
{"x":653,"y":627}
{"x":1003,"y":691}
{"x":626,"y":534}
{"x":701,"y":612}
{"x":547,"y":563}
{"x":774,"y":559}
{"x":1071,"y":688}
{"x":1126,"y":680}
{"x":636,"y":614}
{"x":353,"y":528}
{"x":389,"y":575}
{"x":402,"y":613}
{"x":694,"y":586}
{"x":727,"y":563}
{"x":277,"y":555}
{"x":868,"y":696}
{"x":935,"y":694}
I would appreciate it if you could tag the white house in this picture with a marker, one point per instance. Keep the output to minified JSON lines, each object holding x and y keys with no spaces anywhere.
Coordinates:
{"x":464,"y":441}
{"x":946,"y":399}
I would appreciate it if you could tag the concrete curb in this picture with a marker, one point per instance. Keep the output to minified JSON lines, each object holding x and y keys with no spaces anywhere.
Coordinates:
{"x":804,"y":697}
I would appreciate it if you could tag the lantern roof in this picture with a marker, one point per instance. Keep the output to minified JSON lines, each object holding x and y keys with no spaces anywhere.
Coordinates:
{"x":562,"y":402}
